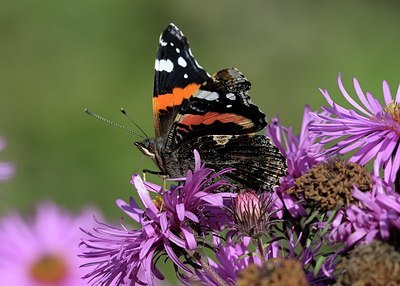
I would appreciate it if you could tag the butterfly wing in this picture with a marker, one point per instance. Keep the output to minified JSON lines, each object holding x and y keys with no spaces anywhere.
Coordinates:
{"x":177,"y":76}
{"x":258,"y":164}
{"x":222,"y":105}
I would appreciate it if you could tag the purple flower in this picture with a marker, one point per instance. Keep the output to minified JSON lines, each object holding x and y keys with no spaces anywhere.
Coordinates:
{"x":232,"y":256}
{"x":170,"y":225}
{"x":376,"y":216}
{"x":7,"y":170}
{"x":302,"y":152}
{"x":372,"y":130}
{"x":43,"y":250}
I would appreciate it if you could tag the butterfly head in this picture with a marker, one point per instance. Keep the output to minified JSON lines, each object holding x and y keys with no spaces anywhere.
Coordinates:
{"x":147,"y":147}
{"x":152,"y":148}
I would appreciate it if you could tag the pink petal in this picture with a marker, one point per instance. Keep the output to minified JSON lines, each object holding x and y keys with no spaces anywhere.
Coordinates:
{"x":180,"y":211}
{"x":386,"y":93}
{"x":143,"y":193}
{"x":131,"y":209}
{"x":174,"y":258}
{"x":191,"y":216}
{"x":360,"y":95}
{"x":398,"y":94}
{"x":190,"y":238}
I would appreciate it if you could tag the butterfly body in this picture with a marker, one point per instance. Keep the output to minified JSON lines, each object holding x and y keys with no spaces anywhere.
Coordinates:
{"x":212,"y":114}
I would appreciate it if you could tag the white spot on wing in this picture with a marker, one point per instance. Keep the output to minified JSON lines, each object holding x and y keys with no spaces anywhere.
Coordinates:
{"x":222,"y":139}
{"x":164,"y":65}
{"x":162,"y":43}
{"x":185,"y":75}
{"x":178,"y":50}
{"x":182,"y":62}
{"x":229,"y":106}
{"x":231,"y":96}
{"x":208,"y":95}
{"x":172,"y":44}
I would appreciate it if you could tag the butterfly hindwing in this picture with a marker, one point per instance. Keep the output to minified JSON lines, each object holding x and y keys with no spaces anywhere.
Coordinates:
{"x":222,"y":105}
{"x":177,"y":76}
{"x":257,"y":162}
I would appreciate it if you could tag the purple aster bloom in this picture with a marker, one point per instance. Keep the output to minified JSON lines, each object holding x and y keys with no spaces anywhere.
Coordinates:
{"x":170,"y":225}
{"x":302,"y":152}
{"x":232,"y":256}
{"x":372,"y":130}
{"x":7,"y":170}
{"x":43,"y":250}
{"x":376,"y":216}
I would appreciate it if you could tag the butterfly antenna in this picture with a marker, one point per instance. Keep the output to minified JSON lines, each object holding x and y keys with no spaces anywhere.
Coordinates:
{"x":134,"y":123}
{"x":87,"y":111}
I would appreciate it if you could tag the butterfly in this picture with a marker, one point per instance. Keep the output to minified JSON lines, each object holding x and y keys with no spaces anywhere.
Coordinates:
{"x":212,"y":114}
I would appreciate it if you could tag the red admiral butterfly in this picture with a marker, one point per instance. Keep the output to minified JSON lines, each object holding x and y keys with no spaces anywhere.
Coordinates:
{"x":212,"y":114}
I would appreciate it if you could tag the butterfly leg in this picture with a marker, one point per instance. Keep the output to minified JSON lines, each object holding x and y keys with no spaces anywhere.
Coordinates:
{"x":164,"y":177}
{"x":145,"y":171}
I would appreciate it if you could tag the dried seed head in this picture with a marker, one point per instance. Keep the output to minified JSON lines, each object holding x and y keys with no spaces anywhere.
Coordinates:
{"x":274,"y":272}
{"x":330,"y":183}
{"x":377,"y":263}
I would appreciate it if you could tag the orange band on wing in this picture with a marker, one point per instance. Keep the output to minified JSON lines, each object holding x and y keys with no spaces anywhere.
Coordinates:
{"x":177,"y":96}
{"x":211,"y":117}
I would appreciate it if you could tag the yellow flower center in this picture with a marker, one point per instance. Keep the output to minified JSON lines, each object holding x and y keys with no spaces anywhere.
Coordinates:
{"x":393,"y":109}
{"x":159,"y":203}
{"x":49,"y":269}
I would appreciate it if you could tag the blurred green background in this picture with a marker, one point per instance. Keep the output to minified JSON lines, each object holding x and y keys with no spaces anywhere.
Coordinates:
{"x":58,"y":57}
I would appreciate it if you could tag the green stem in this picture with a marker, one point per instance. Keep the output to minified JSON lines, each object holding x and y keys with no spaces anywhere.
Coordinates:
{"x":261,"y":248}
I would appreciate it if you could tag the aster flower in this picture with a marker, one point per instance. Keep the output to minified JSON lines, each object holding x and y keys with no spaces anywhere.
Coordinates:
{"x":43,"y":250}
{"x":301,"y":152}
{"x":372,"y":130}
{"x":233,"y":257}
{"x":170,"y":225}
{"x":374,"y":216}
{"x":7,"y":170}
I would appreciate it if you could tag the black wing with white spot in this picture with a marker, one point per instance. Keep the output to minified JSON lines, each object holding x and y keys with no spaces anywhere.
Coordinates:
{"x":258,"y":164}
{"x":177,"y":77}
{"x":222,"y":105}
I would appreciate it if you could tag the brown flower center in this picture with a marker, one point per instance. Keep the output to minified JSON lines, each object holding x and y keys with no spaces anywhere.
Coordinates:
{"x":330,"y":183}
{"x":393,"y":109}
{"x":273,"y":272}
{"x":49,"y":269}
{"x":377,"y":263}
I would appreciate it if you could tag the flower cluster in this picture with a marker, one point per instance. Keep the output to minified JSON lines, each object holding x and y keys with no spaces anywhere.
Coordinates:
{"x":172,"y":223}
{"x":312,"y":229}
